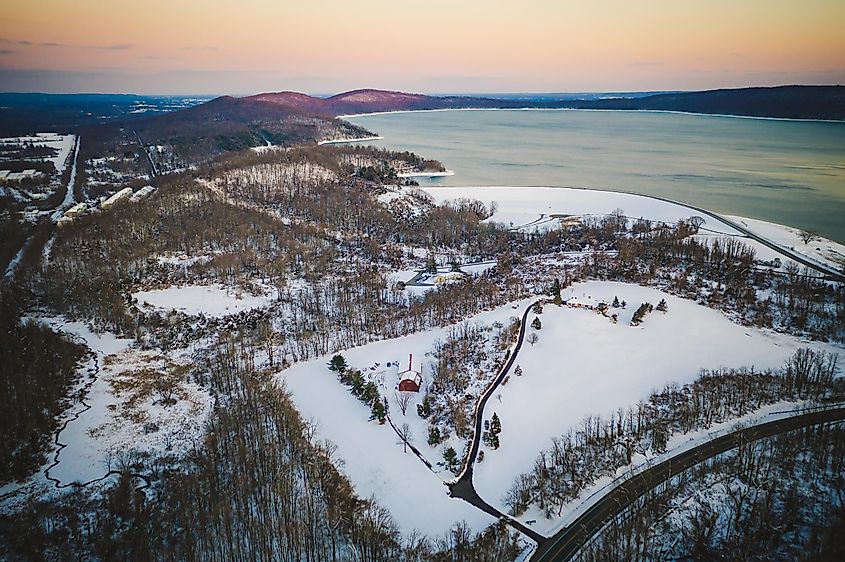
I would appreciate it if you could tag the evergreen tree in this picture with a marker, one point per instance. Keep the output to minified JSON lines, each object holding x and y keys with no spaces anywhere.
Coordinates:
{"x":536,"y":324}
{"x":518,"y":371}
{"x":494,"y":441}
{"x":661,"y":306}
{"x":495,"y":424}
{"x":431,"y":265}
{"x":370,"y":394}
{"x":450,"y":457}
{"x":537,"y":308}
{"x":356,"y":384}
{"x":424,"y":409}
{"x":624,"y":304}
{"x":640,"y":313}
{"x":556,"y":290}
{"x":434,"y":437}
{"x":338,"y":364}
{"x":615,"y":303}
{"x":378,"y":412}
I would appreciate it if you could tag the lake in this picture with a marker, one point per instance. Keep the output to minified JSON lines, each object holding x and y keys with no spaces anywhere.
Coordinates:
{"x":787,"y":172}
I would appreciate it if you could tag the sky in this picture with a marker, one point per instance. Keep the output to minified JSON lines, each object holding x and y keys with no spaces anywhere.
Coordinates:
{"x":436,"y":46}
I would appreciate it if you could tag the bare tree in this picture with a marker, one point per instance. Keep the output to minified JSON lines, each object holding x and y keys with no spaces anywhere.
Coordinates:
{"x":405,"y":436}
{"x":696,"y":222}
{"x":532,"y":338}
{"x":403,"y":399}
{"x":808,"y":236}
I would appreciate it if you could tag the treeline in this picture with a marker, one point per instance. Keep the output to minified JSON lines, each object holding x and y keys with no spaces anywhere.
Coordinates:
{"x":600,"y":446}
{"x":777,"y":499}
{"x":37,"y":370}
{"x":721,"y":273}
{"x":257,"y":488}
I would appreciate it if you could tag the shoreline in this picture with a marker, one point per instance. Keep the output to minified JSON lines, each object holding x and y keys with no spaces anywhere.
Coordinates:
{"x":728,"y":220}
{"x":342,"y":141}
{"x":670,"y":111}
{"x":443,"y":174}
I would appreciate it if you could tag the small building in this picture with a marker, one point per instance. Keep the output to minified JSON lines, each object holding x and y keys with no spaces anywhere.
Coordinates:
{"x":585,"y":301}
{"x":141,"y":193}
{"x":410,"y":380}
{"x":76,"y":210}
{"x":122,"y":194}
{"x":447,"y":277}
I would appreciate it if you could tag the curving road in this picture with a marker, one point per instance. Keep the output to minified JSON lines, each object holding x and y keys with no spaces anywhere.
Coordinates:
{"x":566,"y":543}
{"x":463,"y":487}
{"x":831,"y":273}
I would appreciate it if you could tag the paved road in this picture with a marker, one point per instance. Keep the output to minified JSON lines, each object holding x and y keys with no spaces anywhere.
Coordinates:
{"x":831,"y":273}
{"x":463,"y":487}
{"x":566,"y":543}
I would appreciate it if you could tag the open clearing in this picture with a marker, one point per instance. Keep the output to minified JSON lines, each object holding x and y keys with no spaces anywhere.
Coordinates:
{"x":584,"y":364}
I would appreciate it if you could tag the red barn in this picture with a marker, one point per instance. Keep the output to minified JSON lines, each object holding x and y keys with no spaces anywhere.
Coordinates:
{"x":409,"y":379}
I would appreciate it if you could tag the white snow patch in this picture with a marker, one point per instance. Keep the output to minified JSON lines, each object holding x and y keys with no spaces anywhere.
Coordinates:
{"x":824,"y":251}
{"x":523,"y":205}
{"x":212,"y":300}
{"x":584,"y":364}
{"x":373,"y":457}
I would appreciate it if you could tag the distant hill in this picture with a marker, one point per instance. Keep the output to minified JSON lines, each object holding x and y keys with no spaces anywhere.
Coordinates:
{"x":196,"y":134}
{"x":793,"y":102}
{"x":371,"y":101}
{"x":789,"y":102}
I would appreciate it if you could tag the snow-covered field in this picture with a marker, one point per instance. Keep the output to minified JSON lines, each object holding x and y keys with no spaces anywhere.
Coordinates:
{"x":583,"y":364}
{"x":522,"y":205}
{"x":62,"y":143}
{"x":372,"y":454}
{"x":103,"y":427}
{"x":822,"y":250}
{"x":212,"y":300}
{"x":528,"y":208}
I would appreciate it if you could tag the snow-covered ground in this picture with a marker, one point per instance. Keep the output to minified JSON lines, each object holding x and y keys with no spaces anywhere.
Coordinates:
{"x":103,"y":426}
{"x":822,"y":250}
{"x":419,"y":282}
{"x":62,"y":143}
{"x":212,"y":300}
{"x":372,"y":454}
{"x":529,"y":208}
{"x":522,"y":205}
{"x":584,"y":364}
{"x":676,"y":445}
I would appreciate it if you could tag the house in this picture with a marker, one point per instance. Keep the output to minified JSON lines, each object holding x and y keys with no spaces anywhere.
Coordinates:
{"x":585,"y":301}
{"x":409,"y":379}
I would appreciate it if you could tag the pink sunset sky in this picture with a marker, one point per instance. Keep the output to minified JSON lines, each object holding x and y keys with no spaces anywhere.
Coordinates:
{"x":437,"y":46}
